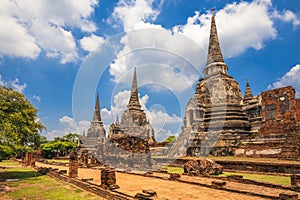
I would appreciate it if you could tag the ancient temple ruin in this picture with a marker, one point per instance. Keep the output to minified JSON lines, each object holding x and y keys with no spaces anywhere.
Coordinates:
{"x":215,"y":115}
{"x":219,"y":121}
{"x":253,"y":109}
{"x":96,"y":133}
{"x":134,"y":122}
{"x":127,"y":144}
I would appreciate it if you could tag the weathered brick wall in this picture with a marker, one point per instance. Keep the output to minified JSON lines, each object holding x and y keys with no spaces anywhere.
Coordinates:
{"x":29,"y":159}
{"x":291,"y":147}
{"x":260,"y":166}
{"x":253,"y":166}
{"x":278,"y":111}
{"x":298,"y":111}
{"x":95,"y":189}
{"x":266,"y":149}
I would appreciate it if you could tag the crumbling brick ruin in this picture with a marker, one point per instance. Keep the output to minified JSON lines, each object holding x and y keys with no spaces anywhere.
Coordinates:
{"x":108,"y":179}
{"x":73,"y":164}
{"x":134,"y":121}
{"x":131,"y":144}
{"x":29,"y":159}
{"x":96,"y":133}
{"x":215,"y":120}
{"x":279,"y":111}
{"x":127,"y":144}
{"x":220,"y":122}
{"x":278,"y":134}
{"x":204,"y":167}
{"x":125,"y":153}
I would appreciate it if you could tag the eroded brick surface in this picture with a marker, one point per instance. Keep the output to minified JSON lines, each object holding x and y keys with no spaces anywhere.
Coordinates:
{"x":279,"y":111}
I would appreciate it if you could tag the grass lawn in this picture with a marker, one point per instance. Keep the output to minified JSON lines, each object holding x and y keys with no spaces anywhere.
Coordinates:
{"x":8,"y":163}
{"x":175,"y":170}
{"x":248,"y":159}
{"x":31,"y":185}
{"x":280,"y":180}
{"x":265,"y":160}
{"x":58,"y":160}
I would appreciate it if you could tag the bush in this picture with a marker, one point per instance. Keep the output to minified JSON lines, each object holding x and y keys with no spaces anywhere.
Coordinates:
{"x":5,"y":152}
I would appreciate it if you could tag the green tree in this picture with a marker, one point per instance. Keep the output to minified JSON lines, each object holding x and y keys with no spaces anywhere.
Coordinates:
{"x":71,"y":137}
{"x":171,"y":138}
{"x":60,"y":146}
{"x":19,"y":125}
{"x":5,"y":152}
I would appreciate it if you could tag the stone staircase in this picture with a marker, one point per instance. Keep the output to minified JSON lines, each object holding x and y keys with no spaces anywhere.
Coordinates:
{"x":291,"y":147}
{"x":181,"y":145}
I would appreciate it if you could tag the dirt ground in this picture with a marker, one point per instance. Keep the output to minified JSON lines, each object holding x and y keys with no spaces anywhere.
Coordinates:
{"x":172,"y":190}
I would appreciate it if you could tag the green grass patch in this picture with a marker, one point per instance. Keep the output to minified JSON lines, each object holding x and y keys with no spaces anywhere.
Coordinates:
{"x":32,"y":185}
{"x":279,"y":180}
{"x":58,"y":160}
{"x":248,"y":159}
{"x":18,"y":173}
{"x":175,"y":170}
{"x":35,"y":190}
{"x":9,"y":163}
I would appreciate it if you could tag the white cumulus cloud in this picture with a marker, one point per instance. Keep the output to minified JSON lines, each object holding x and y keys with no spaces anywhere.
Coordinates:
{"x":149,"y":43}
{"x":28,"y":27}
{"x":240,"y":26}
{"x":37,"y":98}
{"x":91,"y":43}
{"x":132,"y":12}
{"x":287,"y":16}
{"x":15,"y":40}
{"x":14,"y":84}
{"x":291,"y":78}
{"x":68,"y":125}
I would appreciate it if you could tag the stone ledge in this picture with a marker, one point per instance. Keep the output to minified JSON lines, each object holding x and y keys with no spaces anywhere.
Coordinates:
{"x":95,"y":189}
{"x":288,"y":196}
{"x":218,"y":183}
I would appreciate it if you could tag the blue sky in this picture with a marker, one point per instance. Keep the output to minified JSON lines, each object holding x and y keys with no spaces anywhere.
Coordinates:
{"x":60,"y":53}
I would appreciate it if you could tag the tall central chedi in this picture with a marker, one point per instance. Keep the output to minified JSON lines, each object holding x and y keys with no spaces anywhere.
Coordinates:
{"x":134,"y":120}
{"x":219,"y":93}
{"x":215,"y":120}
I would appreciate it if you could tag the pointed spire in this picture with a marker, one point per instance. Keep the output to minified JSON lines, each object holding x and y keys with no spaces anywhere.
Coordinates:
{"x":78,"y":141}
{"x":117,"y":121}
{"x":248,"y":92}
{"x":214,"y":50}
{"x":134,"y":95}
{"x":97,"y":113}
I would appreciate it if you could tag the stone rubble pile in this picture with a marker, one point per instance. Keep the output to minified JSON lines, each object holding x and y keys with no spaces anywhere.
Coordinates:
{"x":43,"y":170}
{"x":202,"y":167}
{"x":131,"y":144}
{"x":145,"y":195}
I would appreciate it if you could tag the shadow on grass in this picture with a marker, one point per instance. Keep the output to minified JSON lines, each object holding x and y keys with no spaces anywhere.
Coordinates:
{"x":18,"y":175}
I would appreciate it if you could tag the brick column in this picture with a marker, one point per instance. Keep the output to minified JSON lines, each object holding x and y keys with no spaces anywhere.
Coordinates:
{"x":73,"y":165}
{"x":108,"y":178}
{"x":33,"y":159}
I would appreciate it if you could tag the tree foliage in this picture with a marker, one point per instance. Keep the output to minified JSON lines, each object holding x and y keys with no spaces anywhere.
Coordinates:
{"x":171,"y":138}
{"x":60,"y":146}
{"x":19,"y":125}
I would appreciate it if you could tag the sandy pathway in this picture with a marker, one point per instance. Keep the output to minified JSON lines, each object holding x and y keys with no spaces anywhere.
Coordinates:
{"x":132,"y":184}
